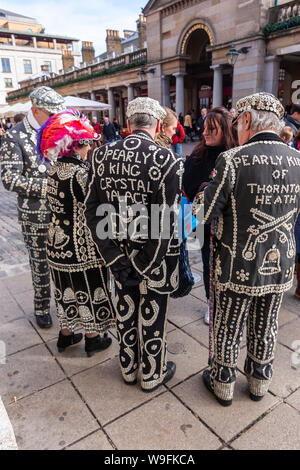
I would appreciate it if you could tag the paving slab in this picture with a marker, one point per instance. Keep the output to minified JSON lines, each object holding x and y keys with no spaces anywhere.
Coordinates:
{"x":9,"y":311}
{"x":289,"y":333}
{"x":20,"y":283}
{"x":199,"y":293}
{"x":28,"y":371}
{"x":103,"y":388}
{"x":18,"y":335}
{"x":162,"y":424}
{"x":286,"y":316}
{"x":199,"y":331}
{"x":290,"y":302}
{"x":51,"y":419}
{"x":74,"y":359}
{"x":285,"y":378}
{"x":294,"y":399}
{"x":198,"y":266}
{"x":96,"y":441}
{"x":226,"y":422}
{"x":279,"y":430}
{"x":186,"y":310}
{"x":192,"y":359}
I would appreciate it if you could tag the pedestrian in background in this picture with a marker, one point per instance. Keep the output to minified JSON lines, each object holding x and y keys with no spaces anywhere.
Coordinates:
{"x":178,"y":139}
{"x":118,"y":128}
{"x":167,"y":129}
{"x":188,"y":125}
{"x":109,"y":131}
{"x":200,"y":122}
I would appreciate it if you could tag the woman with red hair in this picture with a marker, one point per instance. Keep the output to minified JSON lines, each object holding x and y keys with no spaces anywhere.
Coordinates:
{"x":80,"y":281}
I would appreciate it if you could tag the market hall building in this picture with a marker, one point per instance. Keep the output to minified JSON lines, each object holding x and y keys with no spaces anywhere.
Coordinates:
{"x":188,"y":42}
{"x":181,"y":57}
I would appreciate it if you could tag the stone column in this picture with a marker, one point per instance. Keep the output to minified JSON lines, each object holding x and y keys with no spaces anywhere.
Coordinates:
{"x":218,"y":85}
{"x":130,"y":93}
{"x":180,"y":92}
{"x":93,"y":98}
{"x":34,"y":42}
{"x":54,"y":44}
{"x":111,"y":102}
{"x":165,"y":90}
{"x":13,"y":39}
{"x":272,"y":64}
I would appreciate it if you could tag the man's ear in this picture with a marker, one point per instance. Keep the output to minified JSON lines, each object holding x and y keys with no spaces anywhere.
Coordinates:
{"x":247,"y":121}
{"x":128,"y":126}
{"x":157,"y":130}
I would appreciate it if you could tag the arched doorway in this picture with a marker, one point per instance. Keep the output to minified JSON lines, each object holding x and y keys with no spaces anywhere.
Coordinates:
{"x":199,"y":77}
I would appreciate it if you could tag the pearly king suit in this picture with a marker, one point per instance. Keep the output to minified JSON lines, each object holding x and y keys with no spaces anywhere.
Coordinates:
{"x":255,"y":194}
{"x":125,"y":174}
{"x":21,"y":173}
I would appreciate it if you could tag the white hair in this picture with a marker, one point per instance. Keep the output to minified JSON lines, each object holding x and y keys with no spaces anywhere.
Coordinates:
{"x":261,"y":120}
{"x":143,"y":121}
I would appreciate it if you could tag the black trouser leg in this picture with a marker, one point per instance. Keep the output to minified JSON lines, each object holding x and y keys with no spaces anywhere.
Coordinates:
{"x":205,"y":250}
{"x":35,"y":239}
{"x":261,"y":341}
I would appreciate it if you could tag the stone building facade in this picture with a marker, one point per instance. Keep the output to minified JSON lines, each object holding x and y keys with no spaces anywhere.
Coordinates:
{"x":188,"y":41}
{"x":185,"y":64}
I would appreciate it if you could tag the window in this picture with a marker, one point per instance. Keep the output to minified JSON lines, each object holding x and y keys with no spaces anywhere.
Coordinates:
{"x":47,"y":67}
{"x":27,"y":66}
{"x":8,"y":83}
{"x":5,"y":65}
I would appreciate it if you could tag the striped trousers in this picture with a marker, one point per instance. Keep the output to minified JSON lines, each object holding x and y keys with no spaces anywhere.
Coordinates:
{"x":35,"y":239}
{"x":232,"y":312}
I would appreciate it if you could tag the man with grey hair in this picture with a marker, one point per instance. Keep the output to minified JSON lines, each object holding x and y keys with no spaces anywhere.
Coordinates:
{"x":133,"y":184}
{"x":22,"y":173}
{"x":255,"y":196}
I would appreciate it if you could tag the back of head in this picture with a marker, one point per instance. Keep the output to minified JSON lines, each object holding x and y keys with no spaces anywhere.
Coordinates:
{"x":143,"y":113}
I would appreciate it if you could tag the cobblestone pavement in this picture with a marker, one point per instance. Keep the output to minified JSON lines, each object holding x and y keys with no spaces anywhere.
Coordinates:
{"x":13,"y":254}
{"x":69,"y":401}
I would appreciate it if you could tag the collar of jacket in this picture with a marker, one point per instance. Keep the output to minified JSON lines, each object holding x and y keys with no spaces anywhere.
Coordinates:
{"x":265,"y":136}
{"x":142,"y":134}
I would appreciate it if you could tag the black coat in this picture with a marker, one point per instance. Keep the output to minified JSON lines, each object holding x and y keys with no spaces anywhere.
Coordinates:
{"x":256,"y":196}
{"x":127,"y":176}
{"x":20,"y":172}
{"x":198,"y":171}
{"x":109,"y":131}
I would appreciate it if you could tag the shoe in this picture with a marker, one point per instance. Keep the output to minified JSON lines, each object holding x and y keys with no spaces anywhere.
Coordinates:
{"x":207,"y":383}
{"x":256,"y":397}
{"x":44,"y":321}
{"x":171,"y":369}
{"x":66,"y":341}
{"x":96,"y":344}
{"x":207,"y":316}
{"x":130,"y":383}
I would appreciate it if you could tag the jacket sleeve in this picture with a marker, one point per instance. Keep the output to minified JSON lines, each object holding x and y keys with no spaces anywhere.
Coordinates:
{"x":12,"y":168}
{"x":217,"y":193}
{"x":181,"y":134}
{"x":107,"y":248}
{"x":168,"y":195}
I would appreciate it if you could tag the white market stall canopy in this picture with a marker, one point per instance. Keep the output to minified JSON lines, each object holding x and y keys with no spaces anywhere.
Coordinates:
{"x":70,"y":102}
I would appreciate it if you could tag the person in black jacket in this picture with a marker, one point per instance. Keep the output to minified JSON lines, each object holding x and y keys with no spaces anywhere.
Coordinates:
{"x":134,"y":183}
{"x":217,"y":137}
{"x":109,"y":131}
{"x":255,"y":197}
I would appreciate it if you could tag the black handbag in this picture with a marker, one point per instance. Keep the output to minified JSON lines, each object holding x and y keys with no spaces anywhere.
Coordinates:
{"x":186,"y":280}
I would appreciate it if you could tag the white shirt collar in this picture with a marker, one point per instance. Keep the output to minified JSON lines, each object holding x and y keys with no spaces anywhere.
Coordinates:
{"x":32,"y":121}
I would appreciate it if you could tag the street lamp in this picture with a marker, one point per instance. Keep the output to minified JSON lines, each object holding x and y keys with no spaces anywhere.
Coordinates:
{"x":233,"y":54}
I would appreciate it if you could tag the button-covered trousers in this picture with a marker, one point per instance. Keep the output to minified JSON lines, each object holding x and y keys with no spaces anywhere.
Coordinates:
{"x":35,"y":239}
{"x":232,"y":311}
{"x":141,"y":323}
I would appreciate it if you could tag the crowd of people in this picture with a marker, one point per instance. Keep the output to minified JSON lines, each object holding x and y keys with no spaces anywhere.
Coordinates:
{"x":104,"y":232}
